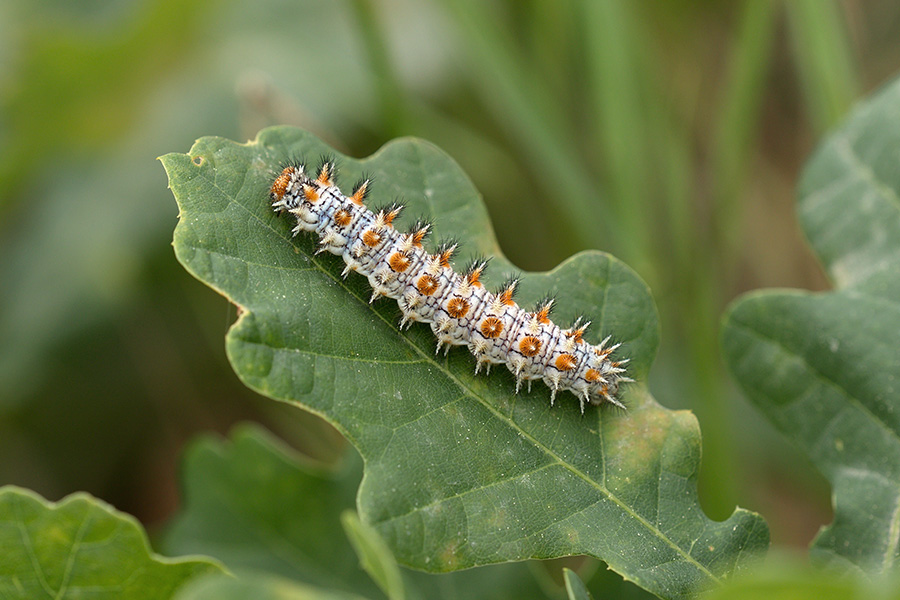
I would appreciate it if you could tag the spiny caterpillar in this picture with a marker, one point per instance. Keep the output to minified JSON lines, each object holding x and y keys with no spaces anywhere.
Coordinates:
{"x":458,"y":307}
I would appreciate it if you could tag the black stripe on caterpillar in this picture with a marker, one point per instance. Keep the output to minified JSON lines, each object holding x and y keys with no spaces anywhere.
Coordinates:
{"x":456,"y":305}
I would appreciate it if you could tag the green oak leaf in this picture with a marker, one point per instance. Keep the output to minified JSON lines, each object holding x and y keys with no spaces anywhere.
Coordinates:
{"x":825,"y":367}
{"x":81,"y":547}
{"x":459,"y":470}
{"x":258,"y":507}
{"x":265,"y":511}
{"x":257,"y":587}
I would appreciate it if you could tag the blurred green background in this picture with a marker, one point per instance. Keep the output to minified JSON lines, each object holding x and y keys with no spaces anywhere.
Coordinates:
{"x":670,"y":134}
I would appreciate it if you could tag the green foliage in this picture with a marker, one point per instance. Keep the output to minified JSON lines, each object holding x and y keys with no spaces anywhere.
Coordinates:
{"x":257,"y":587}
{"x":824,"y":368}
{"x":459,"y":470}
{"x":575,"y":588}
{"x":651,"y":130}
{"x":784,"y":577}
{"x":374,"y":556}
{"x":81,"y":547}
{"x":290,"y":528}
{"x":101,"y":78}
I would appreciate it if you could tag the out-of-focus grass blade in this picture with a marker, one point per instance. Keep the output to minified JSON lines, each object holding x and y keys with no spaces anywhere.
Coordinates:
{"x":534,"y":119}
{"x":615,"y":72}
{"x":392,"y":100}
{"x":575,"y":588}
{"x":734,"y":132}
{"x":739,"y":116}
{"x":824,"y":61}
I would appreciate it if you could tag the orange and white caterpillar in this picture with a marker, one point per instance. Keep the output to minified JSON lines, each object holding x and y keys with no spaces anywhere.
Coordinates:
{"x":456,"y":305}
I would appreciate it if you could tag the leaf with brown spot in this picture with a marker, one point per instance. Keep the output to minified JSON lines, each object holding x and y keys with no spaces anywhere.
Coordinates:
{"x":460,"y":471}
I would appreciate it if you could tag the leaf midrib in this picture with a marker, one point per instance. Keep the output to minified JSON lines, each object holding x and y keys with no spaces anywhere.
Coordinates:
{"x":819,"y":375}
{"x":865,"y":172}
{"x":429,"y":359}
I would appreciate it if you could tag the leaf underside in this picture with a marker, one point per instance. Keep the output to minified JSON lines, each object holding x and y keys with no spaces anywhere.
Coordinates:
{"x":459,"y":470}
{"x":825,"y":368}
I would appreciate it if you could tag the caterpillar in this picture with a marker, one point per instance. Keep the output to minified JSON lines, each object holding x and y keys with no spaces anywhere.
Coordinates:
{"x":460,"y":310}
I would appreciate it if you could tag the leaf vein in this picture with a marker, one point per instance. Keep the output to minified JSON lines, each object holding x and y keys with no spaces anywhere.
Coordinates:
{"x":822,"y":377}
{"x":464,"y":493}
{"x":865,"y":172}
{"x":507,"y":420}
{"x":373,"y":361}
{"x":73,"y":551}
{"x":29,"y":547}
{"x":653,"y":529}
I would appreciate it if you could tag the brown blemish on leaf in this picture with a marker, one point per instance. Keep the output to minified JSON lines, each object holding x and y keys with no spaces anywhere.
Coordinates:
{"x":650,"y":441}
